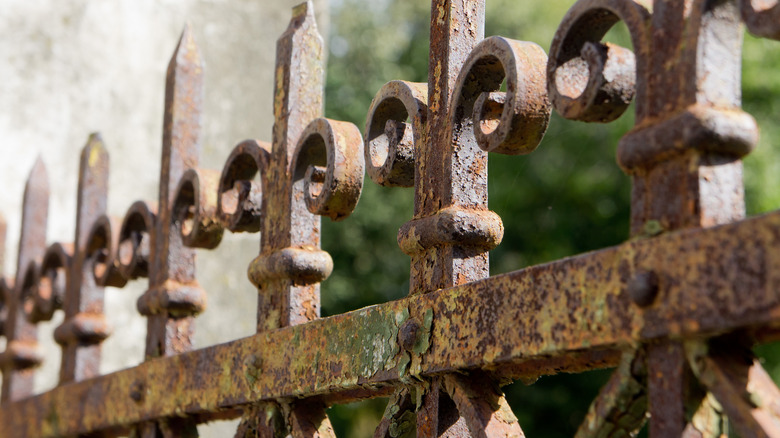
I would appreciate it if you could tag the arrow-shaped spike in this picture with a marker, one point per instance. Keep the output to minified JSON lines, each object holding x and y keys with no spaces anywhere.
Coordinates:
{"x":182,"y":123}
{"x":35,"y":210}
{"x":299,"y":79}
{"x":83,"y":298}
{"x":290,"y":233}
{"x":174,"y":264}
{"x":172,"y":284}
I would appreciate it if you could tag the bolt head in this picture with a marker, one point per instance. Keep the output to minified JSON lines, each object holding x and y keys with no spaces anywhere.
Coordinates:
{"x":643,"y":288}
{"x":137,"y":390}
{"x":408,"y":334}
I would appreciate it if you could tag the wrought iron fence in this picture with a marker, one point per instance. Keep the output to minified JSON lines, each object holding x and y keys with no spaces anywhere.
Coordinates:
{"x":676,"y":309}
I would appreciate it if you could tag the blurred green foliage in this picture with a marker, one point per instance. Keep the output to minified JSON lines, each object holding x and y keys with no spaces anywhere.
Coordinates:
{"x":567,"y":197}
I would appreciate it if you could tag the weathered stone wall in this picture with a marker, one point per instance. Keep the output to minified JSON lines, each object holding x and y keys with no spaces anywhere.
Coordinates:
{"x":68,"y":68}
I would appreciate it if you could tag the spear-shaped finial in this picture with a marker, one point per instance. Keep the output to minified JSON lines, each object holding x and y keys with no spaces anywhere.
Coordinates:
{"x":85,"y":327}
{"x":286,"y":223}
{"x":291,"y":265}
{"x":173,"y":297}
{"x":21,"y":355}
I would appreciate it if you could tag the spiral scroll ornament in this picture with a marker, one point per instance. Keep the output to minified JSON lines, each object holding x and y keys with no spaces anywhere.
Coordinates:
{"x":511,"y":122}
{"x":240,"y":200}
{"x":396,"y":122}
{"x":593,"y":81}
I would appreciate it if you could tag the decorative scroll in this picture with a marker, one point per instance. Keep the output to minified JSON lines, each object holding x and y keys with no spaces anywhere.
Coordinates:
{"x":390,"y":139}
{"x":464,"y":115}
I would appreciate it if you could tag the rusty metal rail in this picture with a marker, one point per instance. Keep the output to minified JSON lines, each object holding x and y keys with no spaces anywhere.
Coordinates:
{"x":675,"y":309}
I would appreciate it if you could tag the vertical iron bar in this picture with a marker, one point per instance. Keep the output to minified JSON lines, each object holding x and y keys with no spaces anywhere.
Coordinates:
{"x":447,"y":175}
{"x":290,"y":234}
{"x":444,"y":176}
{"x":174,"y":296}
{"x":173,"y":265}
{"x":21,"y":355}
{"x":85,"y":327}
{"x":701,"y":185}
{"x":286,"y":222}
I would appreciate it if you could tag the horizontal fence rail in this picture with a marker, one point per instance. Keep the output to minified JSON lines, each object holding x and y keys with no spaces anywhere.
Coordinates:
{"x":675,"y":310}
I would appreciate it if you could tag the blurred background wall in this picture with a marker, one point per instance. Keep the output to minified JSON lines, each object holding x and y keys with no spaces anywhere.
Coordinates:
{"x":68,"y":68}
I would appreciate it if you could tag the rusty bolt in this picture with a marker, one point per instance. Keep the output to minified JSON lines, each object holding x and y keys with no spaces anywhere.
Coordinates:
{"x":643,"y":288}
{"x":408,"y":334}
{"x":137,"y":391}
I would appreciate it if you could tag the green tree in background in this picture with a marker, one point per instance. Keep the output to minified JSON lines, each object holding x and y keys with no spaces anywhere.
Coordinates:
{"x":567,"y":197}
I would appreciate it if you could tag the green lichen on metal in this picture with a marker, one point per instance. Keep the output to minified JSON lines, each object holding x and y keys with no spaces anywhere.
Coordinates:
{"x":400,"y":416}
{"x":51,"y":426}
{"x":423,"y":338}
{"x":708,"y":417}
{"x":376,"y":338}
{"x":403,"y":364}
{"x":652,"y":228}
{"x":620,"y":409}
{"x":252,"y":369}
{"x":403,"y":426}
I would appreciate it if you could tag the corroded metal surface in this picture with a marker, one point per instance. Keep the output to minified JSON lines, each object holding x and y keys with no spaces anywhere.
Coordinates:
{"x":361,"y":349}
{"x":314,"y":168}
{"x":20,"y":357}
{"x":684,"y":152}
{"x":464,"y":116}
{"x":741,"y":385}
{"x":174,"y":296}
{"x":85,"y":326}
{"x":677,"y":328}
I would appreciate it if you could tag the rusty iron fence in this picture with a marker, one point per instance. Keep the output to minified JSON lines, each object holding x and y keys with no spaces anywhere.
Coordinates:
{"x":676,"y":309}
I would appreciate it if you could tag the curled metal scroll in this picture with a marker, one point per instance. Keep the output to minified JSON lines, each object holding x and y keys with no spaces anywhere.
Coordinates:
{"x":47,"y":296}
{"x":136,"y":240}
{"x":511,"y":122}
{"x":762,"y":17}
{"x":329,"y":165}
{"x":195,"y":207}
{"x":239,"y":203}
{"x":396,"y":121}
{"x":594,"y":82}
{"x":100,"y":252}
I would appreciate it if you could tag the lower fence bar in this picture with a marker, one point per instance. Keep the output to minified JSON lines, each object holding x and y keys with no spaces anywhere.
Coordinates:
{"x":709,"y":281}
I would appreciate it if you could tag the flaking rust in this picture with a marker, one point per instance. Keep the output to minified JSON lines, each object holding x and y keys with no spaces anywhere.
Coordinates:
{"x":466,"y":116}
{"x":513,"y":345}
{"x":314,"y":168}
{"x":174,"y":296}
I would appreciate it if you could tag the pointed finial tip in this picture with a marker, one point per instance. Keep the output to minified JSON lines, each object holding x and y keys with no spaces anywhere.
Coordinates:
{"x":39,"y":176}
{"x":94,"y":152}
{"x":186,"y":33}
{"x":95,"y":141}
{"x":38,"y":166}
{"x":187,"y":39}
{"x":304,"y":9}
{"x":187,"y":50}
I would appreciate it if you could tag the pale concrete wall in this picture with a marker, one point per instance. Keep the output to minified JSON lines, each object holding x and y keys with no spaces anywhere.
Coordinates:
{"x":69,"y":67}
